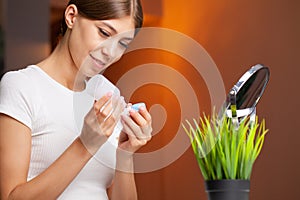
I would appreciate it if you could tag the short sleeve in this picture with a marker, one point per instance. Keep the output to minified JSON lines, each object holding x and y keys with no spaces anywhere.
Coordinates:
{"x":16,"y":95}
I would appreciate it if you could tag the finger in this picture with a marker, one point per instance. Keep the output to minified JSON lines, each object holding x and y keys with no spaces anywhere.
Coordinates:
{"x":144,"y":112}
{"x":147,"y":131}
{"x":137,"y":117}
{"x":130,"y":127}
{"x":102,"y":102}
{"x":108,"y":126}
{"x":115,"y":112}
{"x":134,"y":140}
{"x":107,"y":108}
{"x":126,"y":129}
{"x":94,"y":113}
{"x":119,"y":105}
{"x":112,"y":106}
{"x":104,"y":112}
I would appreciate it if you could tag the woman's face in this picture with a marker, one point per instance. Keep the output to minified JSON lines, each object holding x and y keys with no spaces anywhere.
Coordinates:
{"x":95,"y":45}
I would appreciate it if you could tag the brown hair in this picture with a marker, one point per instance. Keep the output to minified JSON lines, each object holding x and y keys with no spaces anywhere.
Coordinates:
{"x":107,"y":9}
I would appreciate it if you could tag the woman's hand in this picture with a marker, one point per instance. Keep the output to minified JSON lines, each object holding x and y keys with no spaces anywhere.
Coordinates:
{"x":100,"y":121}
{"x":137,"y":129}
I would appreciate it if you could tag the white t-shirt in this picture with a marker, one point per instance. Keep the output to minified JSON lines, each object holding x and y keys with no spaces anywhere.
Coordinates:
{"x":54,"y":114}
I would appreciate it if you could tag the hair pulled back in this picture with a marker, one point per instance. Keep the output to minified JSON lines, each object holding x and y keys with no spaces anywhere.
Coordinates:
{"x":107,"y":9}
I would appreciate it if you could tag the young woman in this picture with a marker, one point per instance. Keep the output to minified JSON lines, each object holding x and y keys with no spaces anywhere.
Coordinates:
{"x":42,"y":153}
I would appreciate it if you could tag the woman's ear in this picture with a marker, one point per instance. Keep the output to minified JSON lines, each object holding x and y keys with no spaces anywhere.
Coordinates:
{"x":70,"y":15}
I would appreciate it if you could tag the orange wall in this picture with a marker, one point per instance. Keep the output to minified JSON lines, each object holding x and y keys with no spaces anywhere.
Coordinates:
{"x":236,"y":34}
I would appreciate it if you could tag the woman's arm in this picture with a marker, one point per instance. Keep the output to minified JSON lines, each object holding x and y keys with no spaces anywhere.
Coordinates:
{"x":123,"y":186}
{"x":15,"y":148}
{"x":136,"y":133}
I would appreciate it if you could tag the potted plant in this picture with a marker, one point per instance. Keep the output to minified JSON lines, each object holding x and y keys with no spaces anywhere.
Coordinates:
{"x":226,"y":154}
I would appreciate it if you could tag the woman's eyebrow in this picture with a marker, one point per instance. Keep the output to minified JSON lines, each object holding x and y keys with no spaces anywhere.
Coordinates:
{"x":128,"y":38}
{"x":115,"y":31}
{"x":110,"y":27}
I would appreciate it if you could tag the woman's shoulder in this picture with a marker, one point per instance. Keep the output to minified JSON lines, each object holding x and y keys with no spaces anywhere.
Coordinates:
{"x":19,"y":78}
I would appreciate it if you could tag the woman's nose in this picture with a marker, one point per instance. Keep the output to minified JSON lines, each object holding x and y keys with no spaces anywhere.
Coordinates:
{"x":111,"y":50}
{"x":106,"y":54}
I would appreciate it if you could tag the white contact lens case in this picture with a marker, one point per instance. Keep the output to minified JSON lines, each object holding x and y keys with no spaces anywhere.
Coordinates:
{"x":137,"y":106}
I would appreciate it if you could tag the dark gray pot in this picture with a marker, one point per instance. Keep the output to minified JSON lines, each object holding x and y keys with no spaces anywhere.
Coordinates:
{"x":228,"y":189}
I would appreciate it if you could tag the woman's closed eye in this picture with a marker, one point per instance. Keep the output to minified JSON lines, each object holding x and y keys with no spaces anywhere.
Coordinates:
{"x":124,"y":44}
{"x":104,"y":33}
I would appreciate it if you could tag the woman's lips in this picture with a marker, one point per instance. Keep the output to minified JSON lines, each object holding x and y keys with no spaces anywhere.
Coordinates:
{"x":99,"y":63}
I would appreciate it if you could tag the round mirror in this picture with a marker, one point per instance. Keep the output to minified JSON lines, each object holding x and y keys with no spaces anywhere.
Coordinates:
{"x":245,"y":94}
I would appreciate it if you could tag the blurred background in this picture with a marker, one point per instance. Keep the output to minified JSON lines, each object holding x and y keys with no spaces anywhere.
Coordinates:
{"x":236,"y":34}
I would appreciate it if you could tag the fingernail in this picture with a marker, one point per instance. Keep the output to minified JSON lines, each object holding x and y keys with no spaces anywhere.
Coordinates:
{"x":132,"y":111}
{"x":109,"y":94}
{"x":142,"y":108}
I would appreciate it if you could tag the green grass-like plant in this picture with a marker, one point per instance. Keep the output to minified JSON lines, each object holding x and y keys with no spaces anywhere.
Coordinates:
{"x":223,"y":150}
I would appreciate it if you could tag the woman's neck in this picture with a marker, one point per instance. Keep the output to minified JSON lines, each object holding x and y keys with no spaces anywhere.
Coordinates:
{"x":60,"y":66}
